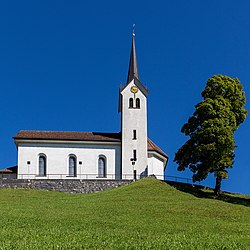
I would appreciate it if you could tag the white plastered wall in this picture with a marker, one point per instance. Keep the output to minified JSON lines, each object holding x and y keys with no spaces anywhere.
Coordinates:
{"x":57,"y":155}
{"x":156,"y":167}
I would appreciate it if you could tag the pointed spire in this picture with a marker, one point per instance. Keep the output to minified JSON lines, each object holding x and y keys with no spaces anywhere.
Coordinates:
{"x":132,"y":70}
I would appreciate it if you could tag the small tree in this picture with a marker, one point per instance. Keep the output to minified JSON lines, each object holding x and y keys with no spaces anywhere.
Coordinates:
{"x":211,"y":128}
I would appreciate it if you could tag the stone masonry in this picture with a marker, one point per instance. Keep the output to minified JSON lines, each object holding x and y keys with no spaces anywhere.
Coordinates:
{"x":66,"y":186}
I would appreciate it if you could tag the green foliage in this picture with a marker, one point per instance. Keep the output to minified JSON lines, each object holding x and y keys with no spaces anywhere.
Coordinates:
{"x":147,"y":214}
{"x":211,"y":128}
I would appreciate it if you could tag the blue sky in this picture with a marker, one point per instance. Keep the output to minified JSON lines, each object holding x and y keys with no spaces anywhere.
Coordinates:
{"x":61,"y":63}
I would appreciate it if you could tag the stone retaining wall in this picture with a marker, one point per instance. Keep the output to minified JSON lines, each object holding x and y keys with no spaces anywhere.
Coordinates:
{"x":66,"y":186}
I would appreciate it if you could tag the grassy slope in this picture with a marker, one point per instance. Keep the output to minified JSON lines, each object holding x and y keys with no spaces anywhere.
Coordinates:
{"x":147,"y":214}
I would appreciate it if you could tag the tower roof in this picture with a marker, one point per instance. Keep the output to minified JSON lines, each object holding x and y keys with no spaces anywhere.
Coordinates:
{"x":133,"y":69}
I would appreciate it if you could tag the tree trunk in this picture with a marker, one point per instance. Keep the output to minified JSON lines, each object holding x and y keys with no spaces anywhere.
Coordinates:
{"x":217,"y":185}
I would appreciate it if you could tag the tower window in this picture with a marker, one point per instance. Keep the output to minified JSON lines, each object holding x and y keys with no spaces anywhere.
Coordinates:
{"x":134,"y":154}
{"x":42,"y":165}
{"x":137,"y":103}
{"x":72,"y":166}
{"x":131,"y":103}
{"x":134,"y":134}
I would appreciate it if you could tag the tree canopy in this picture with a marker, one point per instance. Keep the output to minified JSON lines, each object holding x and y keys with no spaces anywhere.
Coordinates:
{"x":210,"y":148}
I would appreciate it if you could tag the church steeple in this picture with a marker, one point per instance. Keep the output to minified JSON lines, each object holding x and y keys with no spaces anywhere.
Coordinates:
{"x":133,"y":108}
{"x":133,"y":69}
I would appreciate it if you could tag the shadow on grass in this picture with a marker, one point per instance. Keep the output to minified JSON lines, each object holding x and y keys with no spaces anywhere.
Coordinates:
{"x":203,"y":192}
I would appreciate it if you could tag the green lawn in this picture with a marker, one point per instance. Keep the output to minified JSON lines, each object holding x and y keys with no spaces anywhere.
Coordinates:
{"x":147,"y":214}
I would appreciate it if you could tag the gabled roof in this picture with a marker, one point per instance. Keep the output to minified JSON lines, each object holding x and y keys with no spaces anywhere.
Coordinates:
{"x":9,"y":170}
{"x":71,"y":136}
{"x":78,"y":136}
{"x":154,"y":147}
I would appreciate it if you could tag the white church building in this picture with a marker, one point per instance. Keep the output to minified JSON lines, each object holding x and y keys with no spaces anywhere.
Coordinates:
{"x":129,"y":154}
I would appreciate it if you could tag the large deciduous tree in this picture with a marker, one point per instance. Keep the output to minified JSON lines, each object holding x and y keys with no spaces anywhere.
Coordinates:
{"x":211,"y":144}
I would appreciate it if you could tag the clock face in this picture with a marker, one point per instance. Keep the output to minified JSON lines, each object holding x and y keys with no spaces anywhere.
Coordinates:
{"x":134,"y":89}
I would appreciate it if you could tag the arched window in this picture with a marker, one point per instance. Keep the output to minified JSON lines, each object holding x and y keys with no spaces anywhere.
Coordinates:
{"x":42,"y":165}
{"x":102,"y":166}
{"x":137,"y":103}
{"x":131,"y":102}
{"x":72,"y":166}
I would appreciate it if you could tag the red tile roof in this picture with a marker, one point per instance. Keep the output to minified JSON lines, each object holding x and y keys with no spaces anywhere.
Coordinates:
{"x":9,"y":170}
{"x":71,"y":136}
{"x":154,"y":147}
{"x":6,"y":170}
{"x":79,"y":136}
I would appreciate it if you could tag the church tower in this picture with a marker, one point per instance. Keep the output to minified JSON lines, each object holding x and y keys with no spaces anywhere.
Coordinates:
{"x":133,"y":108}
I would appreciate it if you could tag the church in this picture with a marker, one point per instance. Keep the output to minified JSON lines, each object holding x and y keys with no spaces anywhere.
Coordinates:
{"x":127,"y":155}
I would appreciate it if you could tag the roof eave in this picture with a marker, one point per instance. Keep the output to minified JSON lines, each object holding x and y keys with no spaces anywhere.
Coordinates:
{"x":141,"y":87}
{"x":65,"y":141}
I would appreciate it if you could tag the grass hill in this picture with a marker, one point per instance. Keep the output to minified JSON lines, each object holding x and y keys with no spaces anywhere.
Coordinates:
{"x":147,"y":214}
